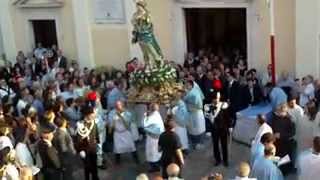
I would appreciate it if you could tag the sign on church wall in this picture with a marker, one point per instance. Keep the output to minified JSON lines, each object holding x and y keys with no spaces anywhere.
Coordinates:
{"x":109,"y":11}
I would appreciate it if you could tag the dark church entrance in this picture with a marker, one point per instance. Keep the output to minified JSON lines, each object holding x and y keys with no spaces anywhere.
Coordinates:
{"x":45,"y":32}
{"x":222,"y":30}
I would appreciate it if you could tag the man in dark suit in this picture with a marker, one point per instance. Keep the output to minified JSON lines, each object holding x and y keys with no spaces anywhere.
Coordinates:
{"x":200,"y":78}
{"x":217,"y":113}
{"x":51,"y":165}
{"x":61,"y":60}
{"x":234,"y":96}
{"x":252,"y":93}
{"x":208,"y":88}
{"x":87,"y":140}
{"x":64,"y":145}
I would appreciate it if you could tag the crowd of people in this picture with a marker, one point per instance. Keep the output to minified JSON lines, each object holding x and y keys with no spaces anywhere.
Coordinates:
{"x":55,"y":113}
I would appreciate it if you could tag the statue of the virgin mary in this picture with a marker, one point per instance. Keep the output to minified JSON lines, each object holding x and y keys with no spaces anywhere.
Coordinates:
{"x":144,"y":35}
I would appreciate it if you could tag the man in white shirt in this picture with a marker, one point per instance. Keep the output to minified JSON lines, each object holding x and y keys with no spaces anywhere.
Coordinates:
{"x":307,"y":92}
{"x":61,"y":60}
{"x":68,"y":92}
{"x":309,"y":161}
{"x":39,"y":51}
{"x":294,"y":110}
{"x":23,"y":101}
{"x":266,"y":77}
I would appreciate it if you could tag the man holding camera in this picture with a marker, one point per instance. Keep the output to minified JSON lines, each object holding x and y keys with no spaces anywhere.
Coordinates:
{"x":220,"y":127}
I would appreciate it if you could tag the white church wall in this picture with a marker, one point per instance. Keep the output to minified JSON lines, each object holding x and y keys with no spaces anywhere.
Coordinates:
{"x":7,"y":30}
{"x":2,"y":53}
{"x":307,"y":37}
{"x":285,"y":36}
{"x":111,"y":43}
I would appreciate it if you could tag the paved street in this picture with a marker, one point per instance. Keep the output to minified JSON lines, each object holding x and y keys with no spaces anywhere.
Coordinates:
{"x":198,"y":164}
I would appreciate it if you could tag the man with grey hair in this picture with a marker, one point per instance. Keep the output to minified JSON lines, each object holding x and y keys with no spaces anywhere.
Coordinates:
{"x":307,"y":90}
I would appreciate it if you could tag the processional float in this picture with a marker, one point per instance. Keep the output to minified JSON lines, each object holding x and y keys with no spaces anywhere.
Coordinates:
{"x":155,"y":81}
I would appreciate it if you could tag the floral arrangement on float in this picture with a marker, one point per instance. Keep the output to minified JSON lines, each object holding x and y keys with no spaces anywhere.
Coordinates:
{"x":153,"y":75}
{"x":157,"y":83}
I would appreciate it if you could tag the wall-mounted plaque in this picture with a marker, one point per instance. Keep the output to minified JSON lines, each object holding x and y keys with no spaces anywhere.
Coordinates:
{"x":109,"y":11}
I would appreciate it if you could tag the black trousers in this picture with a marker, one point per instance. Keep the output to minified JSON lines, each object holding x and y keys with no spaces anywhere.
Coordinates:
{"x":90,"y":166}
{"x":68,"y":163}
{"x":51,"y":174}
{"x":133,"y":154}
{"x":287,"y":147}
{"x":220,"y":137}
{"x":68,"y":174}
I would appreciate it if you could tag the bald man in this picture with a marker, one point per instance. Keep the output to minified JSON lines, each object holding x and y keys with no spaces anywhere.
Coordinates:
{"x":173,"y":171}
{"x":243,"y":172}
{"x":119,"y":123}
{"x":142,"y":177}
{"x":153,"y":126}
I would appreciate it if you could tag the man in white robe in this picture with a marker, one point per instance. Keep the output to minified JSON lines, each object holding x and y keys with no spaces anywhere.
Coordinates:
{"x":181,"y":116}
{"x":264,"y":168}
{"x":309,"y":162}
{"x":194,"y":102}
{"x":120,"y":120}
{"x":263,"y":129}
{"x":153,"y":126}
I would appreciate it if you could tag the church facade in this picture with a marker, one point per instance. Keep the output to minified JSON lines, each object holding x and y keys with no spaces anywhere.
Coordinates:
{"x":98,"y":32}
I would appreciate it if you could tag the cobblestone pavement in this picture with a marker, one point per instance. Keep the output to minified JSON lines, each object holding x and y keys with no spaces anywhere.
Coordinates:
{"x":198,"y":164}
